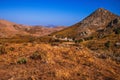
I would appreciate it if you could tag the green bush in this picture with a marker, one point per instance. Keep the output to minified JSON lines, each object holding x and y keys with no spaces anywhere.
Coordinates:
{"x":22,"y":61}
{"x":107,"y":44}
{"x":35,"y":55}
{"x":117,"y":31}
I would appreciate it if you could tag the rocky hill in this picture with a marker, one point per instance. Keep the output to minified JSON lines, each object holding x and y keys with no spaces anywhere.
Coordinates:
{"x":98,"y":20}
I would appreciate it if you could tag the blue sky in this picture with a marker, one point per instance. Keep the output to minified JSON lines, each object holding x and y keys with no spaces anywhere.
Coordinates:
{"x":52,"y":12}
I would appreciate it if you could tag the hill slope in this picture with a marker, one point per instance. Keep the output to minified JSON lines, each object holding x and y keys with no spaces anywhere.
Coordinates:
{"x":99,"y":19}
{"x":46,"y":62}
{"x":9,"y":29}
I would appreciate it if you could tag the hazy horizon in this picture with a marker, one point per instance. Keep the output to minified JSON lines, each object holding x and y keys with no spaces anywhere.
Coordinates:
{"x":63,"y":12}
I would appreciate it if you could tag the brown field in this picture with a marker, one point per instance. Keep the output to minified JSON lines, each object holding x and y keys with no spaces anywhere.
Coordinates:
{"x":33,"y":61}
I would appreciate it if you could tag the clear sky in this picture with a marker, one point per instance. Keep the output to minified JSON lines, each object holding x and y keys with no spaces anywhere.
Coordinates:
{"x":52,"y":12}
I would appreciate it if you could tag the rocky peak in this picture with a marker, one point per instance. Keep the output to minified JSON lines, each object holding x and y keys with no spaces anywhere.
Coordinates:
{"x":98,"y":18}
{"x":101,"y":10}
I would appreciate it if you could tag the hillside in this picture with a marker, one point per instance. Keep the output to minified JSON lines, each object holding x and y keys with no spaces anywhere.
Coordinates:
{"x":106,"y":41}
{"x":31,"y":61}
{"x":9,"y":29}
{"x":97,"y":20}
{"x":42,"y":31}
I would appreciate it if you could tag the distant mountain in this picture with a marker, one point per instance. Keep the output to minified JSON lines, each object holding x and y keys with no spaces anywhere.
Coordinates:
{"x":41,"y":30}
{"x":9,"y":29}
{"x":98,"y":20}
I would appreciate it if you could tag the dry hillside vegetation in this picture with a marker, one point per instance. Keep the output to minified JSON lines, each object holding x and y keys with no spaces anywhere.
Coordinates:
{"x":31,"y":61}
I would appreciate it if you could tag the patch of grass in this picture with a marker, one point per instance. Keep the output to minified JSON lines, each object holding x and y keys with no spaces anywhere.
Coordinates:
{"x":22,"y":61}
{"x":68,"y":32}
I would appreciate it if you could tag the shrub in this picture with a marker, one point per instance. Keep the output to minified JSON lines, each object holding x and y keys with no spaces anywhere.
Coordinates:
{"x":117,"y":31}
{"x":81,"y":40}
{"x":31,"y":39}
{"x":2,"y":50}
{"x":35,"y":55}
{"x":107,"y":44}
{"x":57,"y":40}
{"x":12,"y":48}
{"x":88,"y":38}
{"x":22,"y":61}
{"x":38,"y":55}
{"x":78,"y":41}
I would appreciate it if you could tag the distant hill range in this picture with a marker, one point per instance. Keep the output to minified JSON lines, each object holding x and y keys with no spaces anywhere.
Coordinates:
{"x":101,"y":19}
{"x":9,"y":29}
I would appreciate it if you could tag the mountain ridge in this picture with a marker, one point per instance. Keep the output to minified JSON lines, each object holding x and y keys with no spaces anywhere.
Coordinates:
{"x":9,"y":29}
{"x":97,"y":20}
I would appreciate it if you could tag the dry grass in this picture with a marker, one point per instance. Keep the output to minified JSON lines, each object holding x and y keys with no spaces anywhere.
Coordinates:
{"x":55,"y":62}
